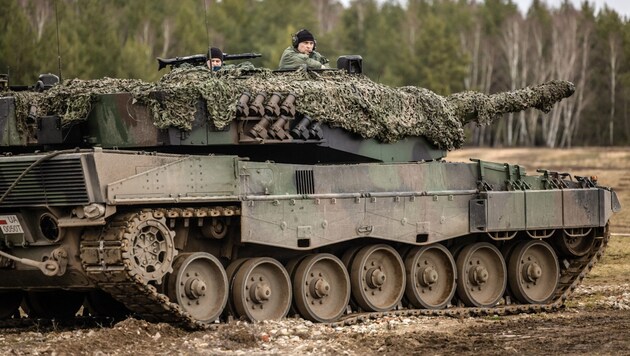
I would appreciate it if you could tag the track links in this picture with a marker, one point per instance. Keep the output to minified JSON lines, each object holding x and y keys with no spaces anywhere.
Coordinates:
{"x":572,"y":272}
{"x":114,"y":275}
{"x":113,"y":271}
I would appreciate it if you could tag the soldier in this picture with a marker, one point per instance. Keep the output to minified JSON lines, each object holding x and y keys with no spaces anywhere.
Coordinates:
{"x":215,"y":59}
{"x":302,"y":53}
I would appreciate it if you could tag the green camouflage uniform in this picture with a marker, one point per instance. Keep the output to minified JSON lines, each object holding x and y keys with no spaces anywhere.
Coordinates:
{"x":292,"y":59}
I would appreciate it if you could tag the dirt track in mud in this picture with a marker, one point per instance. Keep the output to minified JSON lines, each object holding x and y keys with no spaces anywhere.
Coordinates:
{"x":595,"y":321}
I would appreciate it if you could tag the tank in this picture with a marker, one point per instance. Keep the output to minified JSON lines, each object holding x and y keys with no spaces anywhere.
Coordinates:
{"x":256,"y":194}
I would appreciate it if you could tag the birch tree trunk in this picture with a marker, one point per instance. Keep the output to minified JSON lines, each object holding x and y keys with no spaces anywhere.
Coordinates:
{"x":581,"y":96}
{"x":564,"y":54}
{"x":613,"y":66}
{"x":40,"y":12}
{"x":510,"y":46}
{"x":167,"y":30}
{"x":480,"y":72}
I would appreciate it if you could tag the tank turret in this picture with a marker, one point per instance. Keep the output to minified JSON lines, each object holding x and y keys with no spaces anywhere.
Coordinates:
{"x":307,"y":117}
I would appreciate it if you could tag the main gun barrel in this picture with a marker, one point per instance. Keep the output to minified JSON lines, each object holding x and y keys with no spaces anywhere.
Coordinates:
{"x":484,"y":109}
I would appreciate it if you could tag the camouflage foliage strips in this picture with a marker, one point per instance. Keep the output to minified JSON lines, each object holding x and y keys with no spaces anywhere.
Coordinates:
{"x":352,"y":102}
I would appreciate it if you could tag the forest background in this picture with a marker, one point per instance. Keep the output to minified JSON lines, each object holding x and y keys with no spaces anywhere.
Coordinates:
{"x":444,"y":45}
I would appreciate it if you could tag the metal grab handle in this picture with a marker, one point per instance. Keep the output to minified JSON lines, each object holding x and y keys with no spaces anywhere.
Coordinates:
{"x":49,"y":267}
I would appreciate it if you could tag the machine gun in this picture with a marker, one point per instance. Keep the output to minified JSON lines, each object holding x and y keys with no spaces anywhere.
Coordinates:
{"x":200,"y":59}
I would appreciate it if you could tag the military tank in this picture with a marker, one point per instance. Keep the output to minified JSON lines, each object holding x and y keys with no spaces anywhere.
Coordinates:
{"x":257,"y":194}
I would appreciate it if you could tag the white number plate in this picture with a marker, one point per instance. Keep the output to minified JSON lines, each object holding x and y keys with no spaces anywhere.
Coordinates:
{"x":10,"y":224}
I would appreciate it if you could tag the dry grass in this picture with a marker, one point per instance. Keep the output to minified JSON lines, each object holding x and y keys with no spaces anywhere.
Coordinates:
{"x":614,"y":268}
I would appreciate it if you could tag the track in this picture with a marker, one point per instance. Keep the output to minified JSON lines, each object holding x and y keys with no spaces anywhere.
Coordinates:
{"x":118,"y":278}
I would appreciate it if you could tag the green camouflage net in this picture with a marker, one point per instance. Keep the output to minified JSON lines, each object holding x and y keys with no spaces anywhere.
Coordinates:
{"x":72,"y":100}
{"x":484,"y":109}
{"x":352,"y":102}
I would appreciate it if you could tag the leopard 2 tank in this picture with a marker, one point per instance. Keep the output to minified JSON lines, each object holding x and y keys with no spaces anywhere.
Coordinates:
{"x":253,"y":194}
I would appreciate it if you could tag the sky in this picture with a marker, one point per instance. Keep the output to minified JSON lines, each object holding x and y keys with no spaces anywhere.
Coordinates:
{"x":620,"y":6}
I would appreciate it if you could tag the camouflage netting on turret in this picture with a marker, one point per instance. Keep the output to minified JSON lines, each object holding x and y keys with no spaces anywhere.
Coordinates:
{"x":352,"y":102}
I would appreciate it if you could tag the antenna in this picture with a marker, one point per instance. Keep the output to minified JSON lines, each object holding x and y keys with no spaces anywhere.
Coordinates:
{"x":58,"y":51}
{"x":205,"y":13}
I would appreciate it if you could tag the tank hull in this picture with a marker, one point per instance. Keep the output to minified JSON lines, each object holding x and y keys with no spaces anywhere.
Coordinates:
{"x":130,"y":223}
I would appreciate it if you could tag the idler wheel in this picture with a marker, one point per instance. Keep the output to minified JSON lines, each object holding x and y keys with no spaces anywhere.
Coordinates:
{"x":482,"y":275}
{"x":431,"y":275}
{"x":533,"y":272}
{"x":574,"y":245}
{"x":321,"y":288}
{"x":199,"y":285}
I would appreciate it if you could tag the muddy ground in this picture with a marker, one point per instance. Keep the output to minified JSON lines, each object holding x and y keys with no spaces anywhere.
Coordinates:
{"x":595,"y":321}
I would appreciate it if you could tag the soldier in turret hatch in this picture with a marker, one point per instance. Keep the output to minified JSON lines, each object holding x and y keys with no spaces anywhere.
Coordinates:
{"x":215,"y":59}
{"x":302,"y":53}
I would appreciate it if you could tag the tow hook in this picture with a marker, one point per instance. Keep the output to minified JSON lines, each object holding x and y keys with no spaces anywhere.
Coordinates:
{"x":53,"y":265}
